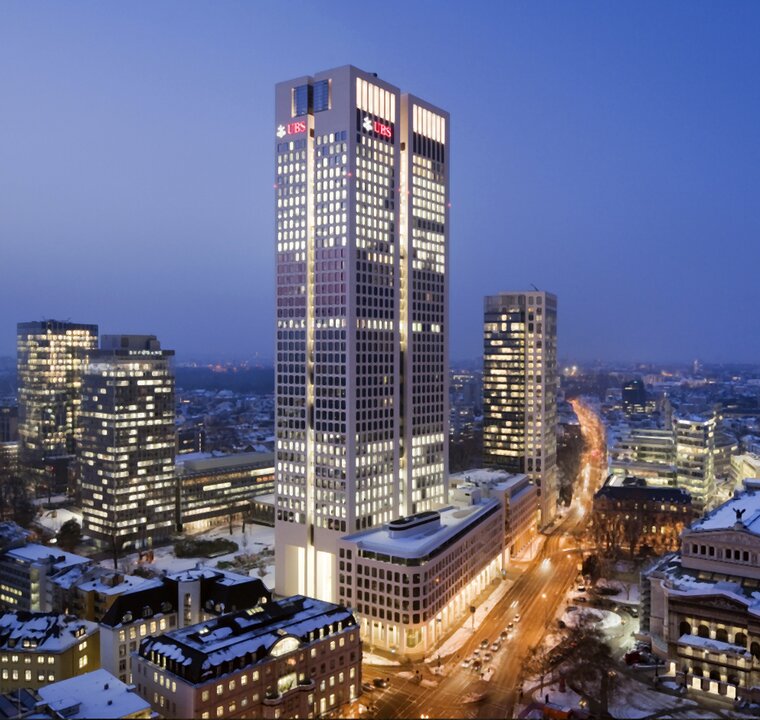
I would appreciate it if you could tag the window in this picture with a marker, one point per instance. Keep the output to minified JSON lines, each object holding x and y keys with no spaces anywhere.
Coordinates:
{"x":301,"y":100}
{"x":321,"y":96}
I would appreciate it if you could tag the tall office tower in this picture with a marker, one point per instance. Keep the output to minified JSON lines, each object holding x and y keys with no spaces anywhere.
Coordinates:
{"x":127,"y":449}
{"x":635,"y":399}
{"x":695,"y":461}
{"x":520,"y":386}
{"x":51,"y":358}
{"x":361,"y":198}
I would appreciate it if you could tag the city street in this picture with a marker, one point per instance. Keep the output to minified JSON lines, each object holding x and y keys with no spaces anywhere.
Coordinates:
{"x":536,"y":595}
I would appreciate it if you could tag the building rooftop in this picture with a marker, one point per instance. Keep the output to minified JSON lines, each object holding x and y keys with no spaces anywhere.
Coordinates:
{"x":96,"y":694}
{"x":693,"y":583}
{"x":47,"y":632}
{"x":60,"y":560}
{"x":744,"y":508}
{"x":220,"y":591}
{"x":191,"y":465}
{"x":634,"y":488}
{"x":209,"y":649}
{"x":431,"y":535}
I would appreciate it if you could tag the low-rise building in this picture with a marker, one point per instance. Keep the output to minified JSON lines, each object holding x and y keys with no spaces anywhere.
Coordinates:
{"x":297,"y":657}
{"x":211,"y":489}
{"x":519,"y":496}
{"x":174,"y":601}
{"x":701,"y":605}
{"x":411,"y":580}
{"x":96,"y":694}
{"x":41,"y":648}
{"x":631,"y":516}
{"x":26,"y":571}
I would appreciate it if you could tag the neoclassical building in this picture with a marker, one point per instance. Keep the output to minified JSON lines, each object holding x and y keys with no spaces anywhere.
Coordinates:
{"x":701,"y":606}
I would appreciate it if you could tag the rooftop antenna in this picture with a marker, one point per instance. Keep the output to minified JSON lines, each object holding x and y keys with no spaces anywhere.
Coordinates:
{"x":534,"y":287}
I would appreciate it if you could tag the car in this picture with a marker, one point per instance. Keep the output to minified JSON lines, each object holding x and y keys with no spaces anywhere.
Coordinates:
{"x":510,"y":627}
{"x":380,"y":683}
{"x":581,"y":588}
{"x":484,"y":644}
{"x":580,"y":598}
{"x":477,"y":665}
{"x":466,"y":662}
{"x":367,"y":687}
{"x":476,"y":652}
{"x":504,"y":635}
{"x":496,"y":646}
{"x":516,"y":618}
{"x":487,"y":657}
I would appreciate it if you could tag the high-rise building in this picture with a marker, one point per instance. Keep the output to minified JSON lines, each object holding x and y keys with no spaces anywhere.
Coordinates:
{"x":520,"y":385}
{"x":695,"y":458}
{"x":127,"y":447}
{"x":361,"y":198}
{"x":51,"y":358}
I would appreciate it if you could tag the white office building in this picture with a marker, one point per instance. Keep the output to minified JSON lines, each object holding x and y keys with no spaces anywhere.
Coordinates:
{"x":361,"y":203}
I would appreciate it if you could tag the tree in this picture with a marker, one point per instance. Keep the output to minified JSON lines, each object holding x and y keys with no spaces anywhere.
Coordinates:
{"x":588,"y":662}
{"x":540,"y":662}
{"x":70,"y":535}
{"x":15,"y":501}
{"x":592,"y":567}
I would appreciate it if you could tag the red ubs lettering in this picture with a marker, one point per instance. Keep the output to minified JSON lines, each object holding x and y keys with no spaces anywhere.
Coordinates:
{"x":384,"y":130}
{"x":296,"y":127}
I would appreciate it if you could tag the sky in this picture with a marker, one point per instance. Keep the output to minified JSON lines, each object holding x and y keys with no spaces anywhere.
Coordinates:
{"x":607,"y":152}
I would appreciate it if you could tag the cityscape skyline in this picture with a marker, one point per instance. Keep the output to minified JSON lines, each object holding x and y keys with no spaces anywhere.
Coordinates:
{"x":646,"y":180}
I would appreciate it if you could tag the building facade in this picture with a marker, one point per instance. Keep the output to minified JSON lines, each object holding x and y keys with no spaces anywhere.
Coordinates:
{"x":175,"y":601}
{"x":127,"y":448}
{"x":298,"y":657}
{"x":361,"y":197}
{"x":700,"y":605}
{"x":215,"y":490}
{"x":520,"y":385}
{"x":27,"y":572}
{"x":41,"y":648}
{"x":632,"y":517}
{"x":414,"y":579}
{"x":8,"y":423}
{"x":51,"y":357}
{"x":695,"y":461}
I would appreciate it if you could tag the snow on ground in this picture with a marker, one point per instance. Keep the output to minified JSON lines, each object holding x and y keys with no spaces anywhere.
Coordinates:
{"x":428,"y":683}
{"x":255,"y":539}
{"x":631,"y":699}
{"x":464,"y":633}
{"x":406,"y":674}
{"x":568,"y":698}
{"x":369,"y":658}
{"x":53,"y":519}
{"x":603,"y":619}
{"x":628,"y":593}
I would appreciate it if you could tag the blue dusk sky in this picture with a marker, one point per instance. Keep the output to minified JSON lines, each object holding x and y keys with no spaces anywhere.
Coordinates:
{"x":606,"y":151}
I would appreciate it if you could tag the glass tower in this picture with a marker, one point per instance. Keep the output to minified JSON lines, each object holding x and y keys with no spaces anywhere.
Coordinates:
{"x":51,"y":358}
{"x":126,"y":454}
{"x":361,"y":202}
{"x":520,"y":385}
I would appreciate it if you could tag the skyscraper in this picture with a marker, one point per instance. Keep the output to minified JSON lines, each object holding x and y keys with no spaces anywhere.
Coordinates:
{"x":127,"y":449}
{"x":51,"y":358}
{"x":361,"y":199}
{"x":520,"y":386}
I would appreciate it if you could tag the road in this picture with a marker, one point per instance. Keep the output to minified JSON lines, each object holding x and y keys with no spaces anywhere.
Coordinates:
{"x":539,"y":589}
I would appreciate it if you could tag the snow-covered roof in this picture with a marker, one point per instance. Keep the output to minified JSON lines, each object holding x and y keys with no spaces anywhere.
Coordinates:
{"x":430,"y":537}
{"x":96,"y":694}
{"x":725,"y":516}
{"x":205,"y":650}
{"x":32,"y":552}
{"x":49,"y":632}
